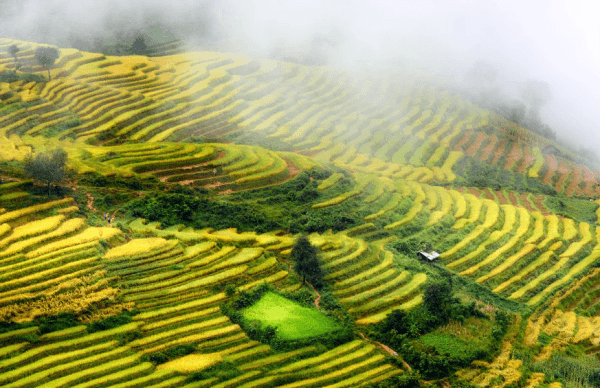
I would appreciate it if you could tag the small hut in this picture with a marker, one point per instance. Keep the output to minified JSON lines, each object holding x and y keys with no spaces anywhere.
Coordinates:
{"x":428,"y":256}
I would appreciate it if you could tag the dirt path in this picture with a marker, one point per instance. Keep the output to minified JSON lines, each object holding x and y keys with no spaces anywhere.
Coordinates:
{"x":315,"y":290}
{"x":90,"y":202}
{"x":389,"y":350}
{"x":311,"y":286}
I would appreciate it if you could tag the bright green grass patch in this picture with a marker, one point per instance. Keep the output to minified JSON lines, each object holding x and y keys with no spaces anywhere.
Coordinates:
{"x":292,"y":320}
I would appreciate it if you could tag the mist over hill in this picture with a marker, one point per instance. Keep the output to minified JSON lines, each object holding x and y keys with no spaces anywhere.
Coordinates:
{"x":540,"y":42}
{"x":277,"y":194}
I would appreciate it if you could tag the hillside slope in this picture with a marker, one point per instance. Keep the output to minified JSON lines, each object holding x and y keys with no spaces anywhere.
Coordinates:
{"x":391,"y":167}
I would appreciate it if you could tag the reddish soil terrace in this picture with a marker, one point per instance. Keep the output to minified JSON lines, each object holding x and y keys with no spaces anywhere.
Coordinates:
{"x":489,"y":195}
{"x":499,"y":151}
{"x":487,"y":151}
{"x":563,"y":171}
{"x":539,"y":200}
{"x":501,"y":198}
{"x":474,"y":191}
{"x":513,"y":157}
{"x":463,"y":141}
{"x":528,"y":160}
{"x":476,"y":144}
{"x":292,"y":168}
{"x":552,"y":166}
{"x":513,"y":198}
{"x":526,"y":203}
{"x":573,"y":188}
{"x":590,"y":182}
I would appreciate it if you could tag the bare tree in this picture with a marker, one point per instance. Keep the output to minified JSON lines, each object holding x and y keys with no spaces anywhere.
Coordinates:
{"x":46,"y":56}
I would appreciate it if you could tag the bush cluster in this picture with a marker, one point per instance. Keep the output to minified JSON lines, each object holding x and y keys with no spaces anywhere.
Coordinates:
{"x":401,"y":329}
{"x":12,"y":76}
{"x":285,"y":206}
{"x":111,"y":322}
{"x":476,"y":174}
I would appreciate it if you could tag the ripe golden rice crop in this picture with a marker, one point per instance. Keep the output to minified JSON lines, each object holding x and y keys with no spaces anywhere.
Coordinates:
{"x":4,"y":228}
{"x":66,"y":227}
{"x":135,"y":247}
{"x":192,"y":362}
{"x":570,"y":231}
{"x":553,"y":222}
{"x":90,"y":234}
{"x":33,"y":228}
{"x":9,"y":216}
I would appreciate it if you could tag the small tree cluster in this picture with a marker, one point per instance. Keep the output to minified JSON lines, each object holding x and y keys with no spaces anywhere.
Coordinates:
{"x":47,"y":168}
{"x":306,"y":263}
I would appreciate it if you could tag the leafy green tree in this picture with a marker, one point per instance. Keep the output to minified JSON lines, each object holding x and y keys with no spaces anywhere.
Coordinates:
{"x":46,"y":56}
{"x":47,"y":168}
{"x":396,"y":320}
{"x":306,"y":263}
{"x":13,"y":50}
{"x":437,"y":299}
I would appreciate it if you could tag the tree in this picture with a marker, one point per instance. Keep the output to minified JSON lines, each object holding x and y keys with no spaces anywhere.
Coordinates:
{"x":139,"y":45}
{"x":47,"y":168}
{"x":437,"y":299}
{"x":306,"y":263}
{"x":13,"y":50}
{"x":46,"y":56}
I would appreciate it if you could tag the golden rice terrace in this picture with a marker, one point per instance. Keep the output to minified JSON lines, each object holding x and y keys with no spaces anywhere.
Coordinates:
{"x":413,"y":167}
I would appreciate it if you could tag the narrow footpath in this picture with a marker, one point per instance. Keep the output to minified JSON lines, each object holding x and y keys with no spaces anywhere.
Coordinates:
{"x":386,"y":348}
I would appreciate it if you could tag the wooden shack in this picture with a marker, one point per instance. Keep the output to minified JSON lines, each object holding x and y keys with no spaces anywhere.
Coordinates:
{"x":428,"y":256}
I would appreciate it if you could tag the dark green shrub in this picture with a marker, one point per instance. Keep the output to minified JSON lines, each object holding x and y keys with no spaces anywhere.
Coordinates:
{"x":57,"y":322}
{"x":111,"y":322}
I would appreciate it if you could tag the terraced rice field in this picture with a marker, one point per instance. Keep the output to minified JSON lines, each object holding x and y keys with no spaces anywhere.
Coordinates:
{"x":229,"y":123}
{"x":214,"y":96}
{"x":171,"y":282}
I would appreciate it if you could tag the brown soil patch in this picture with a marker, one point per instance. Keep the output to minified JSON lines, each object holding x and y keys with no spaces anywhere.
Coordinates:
{"x":563,"y":171}
{"x":573,"y":188}
{"x":513,"y":157}
{"x":501,"y":198}
{"x":476,"y":144}
{"x":499,"y":151}
{"x":513,"y":199}
{"x":214,"y":184}
{"x":463,"y":141}
{"x":590,"y":181}
{"x":539,"y":202}
{"x":488,"y":194}
{"x":487,"y":151}
{"x":474,"y":191}
{"x":552,"y":166}
{"x":526,"y":203}
{"x":292,"y":168}
{"x":528,"y":160}
{"x":90,"y":202}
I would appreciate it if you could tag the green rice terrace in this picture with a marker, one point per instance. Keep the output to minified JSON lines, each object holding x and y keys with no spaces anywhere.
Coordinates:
{"x":152,"y":213}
